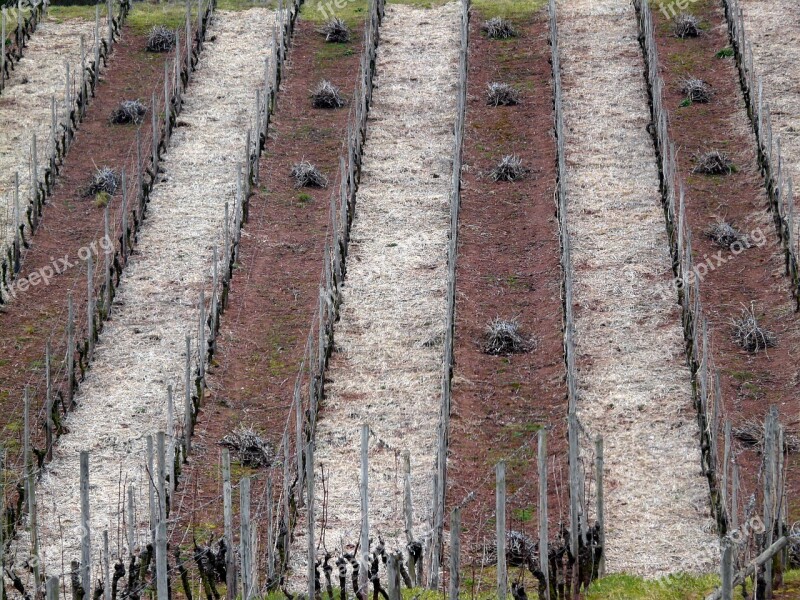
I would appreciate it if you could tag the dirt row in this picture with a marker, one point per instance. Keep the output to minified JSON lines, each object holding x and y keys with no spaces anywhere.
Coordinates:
{"x":274,"y":292}
{"x":773,"y":30}
{"x":634,"y":385}
{"x":508,"y":267}
{"x":751,"y":382}
{"x":70,"y":221}
{"x":142,"y":349}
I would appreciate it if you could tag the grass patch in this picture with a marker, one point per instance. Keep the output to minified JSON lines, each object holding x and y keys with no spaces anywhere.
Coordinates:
{"x":352,"y":12}
{"x":59,"y":14}
{"x":676,"y":587}
{"x":524,"y":515}
{"x":514,"y":10}
{"x":331,"y":52}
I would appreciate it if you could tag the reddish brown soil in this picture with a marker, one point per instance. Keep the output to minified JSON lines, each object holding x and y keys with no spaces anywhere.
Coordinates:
{"x":274,"y":290}
{"x":70,"y":221}
{"x":508,"y":266}
{"x":750,"y":382}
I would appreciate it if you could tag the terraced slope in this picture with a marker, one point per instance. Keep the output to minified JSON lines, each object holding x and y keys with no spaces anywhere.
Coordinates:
{"x":634,"y":384}
{"x":387,"y":368}
{"x":142,"y":350}
{"x":25,"y":106}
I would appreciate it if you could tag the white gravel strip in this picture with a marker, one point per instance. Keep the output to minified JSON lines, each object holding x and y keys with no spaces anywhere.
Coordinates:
{"x":635,"y":387}
{"x":773,"y":29}
{"x":25,"y":106}
{"x":387,"y":371}
{"x":142,"y":348}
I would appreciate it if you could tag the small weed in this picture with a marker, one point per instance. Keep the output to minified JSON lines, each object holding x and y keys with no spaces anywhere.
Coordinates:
{"x":307,"y":175}
{"x":326,"y":95}
{"x":696,"y":90}
{"x":498,"y":28}
{"x":686,"y":26}
{"x":749,"y":335}
{"x":160,"y":39}
{"x":724,"y":53}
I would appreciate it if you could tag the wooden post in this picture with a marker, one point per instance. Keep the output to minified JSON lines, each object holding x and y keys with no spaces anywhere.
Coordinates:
{"x":500,"y":518}
{"x":48,"y":418}
{"x":162,"y":586}
{"x":726,"y":569}
{"x":30,"y":489}
{"x":124,"y":218}
{"x":201,"y":343}
{"x":67,"y":105}
{"x":408,"y":509}
{"x":110,"y":24}
{"x":96,"y":74}
{"x":734,"y":496}
{"x":26,"y":434}
{"x":543,"y":524}
{"x":84,"y":95}
{"x":154,"y":123}
{"x":52,"y":588}
{"x":726,"y":465}
{"x":244,"y":537}
{"x":171,"y":434}
{"x":86,"y":546}
{"x":106,"y":567}
{"x":187,"y":400}
{"x":393,"y":577}
{"x":90,"y":305}
{"x":769,"y":497}
{"x":363,"y":577}
{"x":70,"y":351}
{"x":161,"y":452}
{"x":131,"y":525}
{"x":34,"y":182}
{"x":151,"y":486}
{"x":298,"y":441}
{"x":167,"y":103}
{"x":455,"y":551}
{"x":285,"y":509}
{"x":139,"y":174}
{"x":311,"y":573}
{"x":17,"y":222}
{"x":107,"y":262}
{"x":270,"y":532}
{"x":228,"y":519}
{"x":3,"y":49}
{"x":574,"y":523}
{"x":601,"y":523}
{"x":762,"y":558}
{"x":188,"y":26}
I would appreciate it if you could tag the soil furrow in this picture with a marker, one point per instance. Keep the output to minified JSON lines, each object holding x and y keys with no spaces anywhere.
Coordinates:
{"x":141,"y":350}
{"x":70,"y":221}
{"x":274,"y":292}
{"x":773,"y":31}
{"x":508,"y":268}
{"x":742,"y":277}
